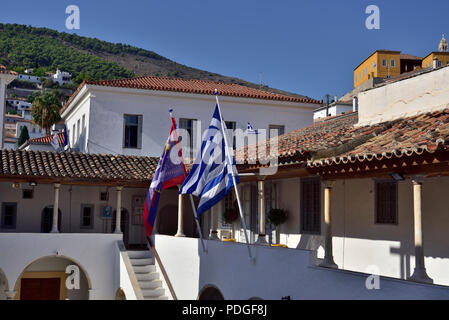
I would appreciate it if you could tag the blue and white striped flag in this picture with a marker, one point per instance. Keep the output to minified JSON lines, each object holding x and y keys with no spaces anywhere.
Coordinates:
{"x":211,"y":175}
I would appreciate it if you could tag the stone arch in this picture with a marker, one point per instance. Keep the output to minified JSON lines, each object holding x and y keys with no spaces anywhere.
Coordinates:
{"x":120,"y":294}
{"x":255,"y":298}
{"x":210,"y":292}
{"x":74,"y":261}
{"x":3,"y":285}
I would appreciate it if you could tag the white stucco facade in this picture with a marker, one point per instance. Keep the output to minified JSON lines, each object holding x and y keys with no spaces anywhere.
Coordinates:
{"x":103,"y":109}
{"x":95,"y":254}
{"x":273,"y":274}
{"x":424,"y":93}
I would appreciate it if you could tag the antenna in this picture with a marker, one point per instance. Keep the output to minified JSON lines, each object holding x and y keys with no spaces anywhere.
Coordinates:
{"x":260,"y":80}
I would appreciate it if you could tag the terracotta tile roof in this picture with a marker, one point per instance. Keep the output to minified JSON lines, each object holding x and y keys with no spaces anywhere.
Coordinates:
{"x":301,"y":142}
{"x":77,"y":167}
{"x":4,"y":71}
{"x":340,"y":141}
{"x":405,"y":56}
{"x":191,"y":86}
{"x":48,"y":139}
{"x":424,"y":133}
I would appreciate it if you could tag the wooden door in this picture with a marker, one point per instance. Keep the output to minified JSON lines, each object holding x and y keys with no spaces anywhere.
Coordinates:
{"x":40,"y":289}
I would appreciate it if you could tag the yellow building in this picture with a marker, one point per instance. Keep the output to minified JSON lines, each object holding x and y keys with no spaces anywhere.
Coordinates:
{"x":380,"y":64}
{"x":442,"y":59}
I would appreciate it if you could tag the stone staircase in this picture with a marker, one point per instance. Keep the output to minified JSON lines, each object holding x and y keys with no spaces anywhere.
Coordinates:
{"x":148,"y":278}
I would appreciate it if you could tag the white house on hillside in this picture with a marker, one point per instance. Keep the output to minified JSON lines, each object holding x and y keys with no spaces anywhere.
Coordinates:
{"x":62,"y":77}
{"x":131,"y":116}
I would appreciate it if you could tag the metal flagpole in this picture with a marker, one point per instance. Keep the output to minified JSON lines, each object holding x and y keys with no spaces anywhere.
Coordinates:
{"x":193,"y":207}
{"x":198,"y":224}
{"x":231,"y":164}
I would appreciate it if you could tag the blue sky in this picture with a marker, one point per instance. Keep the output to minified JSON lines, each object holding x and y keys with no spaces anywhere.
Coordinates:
{"x":307,"y":47}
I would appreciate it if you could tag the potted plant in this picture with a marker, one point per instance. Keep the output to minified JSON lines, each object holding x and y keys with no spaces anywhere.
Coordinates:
{"x":277,"y":217}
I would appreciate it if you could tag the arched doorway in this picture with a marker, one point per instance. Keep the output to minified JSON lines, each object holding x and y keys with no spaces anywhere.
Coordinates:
{"x":124,"y":224}
{"x":47,"y":219}
{"x":210,"y":293}
{"x":168,"y":220}
{"x":45,"y":279}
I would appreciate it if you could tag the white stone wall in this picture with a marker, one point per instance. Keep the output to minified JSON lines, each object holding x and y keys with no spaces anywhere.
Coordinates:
{"x":96,"y":254}
{"x":275,"y":273}
{"x":424,"y":93}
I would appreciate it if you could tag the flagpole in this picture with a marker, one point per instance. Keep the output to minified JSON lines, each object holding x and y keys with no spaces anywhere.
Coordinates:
{"x":230,"y":163}
{"x":193,"y":208}
{"x":198,"y":224}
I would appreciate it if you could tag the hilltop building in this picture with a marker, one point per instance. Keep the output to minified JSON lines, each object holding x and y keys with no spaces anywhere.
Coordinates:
{"x":385,"y":64}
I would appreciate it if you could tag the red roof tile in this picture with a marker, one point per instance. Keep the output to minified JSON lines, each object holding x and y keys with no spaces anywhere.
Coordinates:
{"x":191,"y":86}
{"x":340,"y":141}
{"x":48,"y":139}
{"x":69,"y":167}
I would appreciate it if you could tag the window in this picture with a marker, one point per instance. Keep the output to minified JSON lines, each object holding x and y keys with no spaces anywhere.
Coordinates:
{"x":384,"y":63}
{"x":386,"y":202}
{"x":104,"y":196}
{"x":73,"y":134}
{"x":83,"y":124}
{"x":78,"y":129}
{"x":87,"y":216}
{"x":27,"y":193}
{"x":310,"y":205}
{"x":440,"y":63}
{"x":132,"y":131}
{"x":393,"y":63}
{"x":280,"y":130}
{"x":231,"y":125}
{"x":187,"y":142}
{"x":9,"y":215}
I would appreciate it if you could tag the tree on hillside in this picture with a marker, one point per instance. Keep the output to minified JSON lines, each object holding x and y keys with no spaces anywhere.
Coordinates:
{"x":24,"y":136}
{"x":45,"y":110}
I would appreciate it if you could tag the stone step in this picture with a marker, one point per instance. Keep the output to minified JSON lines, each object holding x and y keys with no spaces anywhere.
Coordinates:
{"x":142,"y":261}
{"x":150,"y":284}
{"x":147,"y":276}
{"x":144,"y":269}
{"x":150,"y":293}
{"x":140,"y":254}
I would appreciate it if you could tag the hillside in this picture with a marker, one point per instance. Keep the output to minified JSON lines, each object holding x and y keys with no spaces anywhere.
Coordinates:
{"x":90,"y":58}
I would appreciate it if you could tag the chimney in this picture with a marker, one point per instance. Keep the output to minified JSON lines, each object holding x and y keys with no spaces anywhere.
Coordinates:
{"x":355,"y":104}
{"x":435,"y":62}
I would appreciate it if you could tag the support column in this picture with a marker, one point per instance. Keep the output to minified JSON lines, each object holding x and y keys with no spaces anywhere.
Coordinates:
{"x":214,"y":222}
{"x":328,"y":261}
{"x":180,"y":232}
{"x":419,"y":274}
{"x":55,"y":228}
{"x":118,"y":213}
{"x":261,"y":197}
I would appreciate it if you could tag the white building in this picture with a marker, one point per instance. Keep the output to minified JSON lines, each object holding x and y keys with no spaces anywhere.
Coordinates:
{"x":59,"y":213}
{"x":6,"y":77}
{"x":131,"y":116}
{"x":20,"y":104}
{"x":334,"y":109}
{"x":30,"y":78}
{"x":62,"y":77}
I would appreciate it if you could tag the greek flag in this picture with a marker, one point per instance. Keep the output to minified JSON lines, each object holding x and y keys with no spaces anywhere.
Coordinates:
{"x":211,"y":175}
